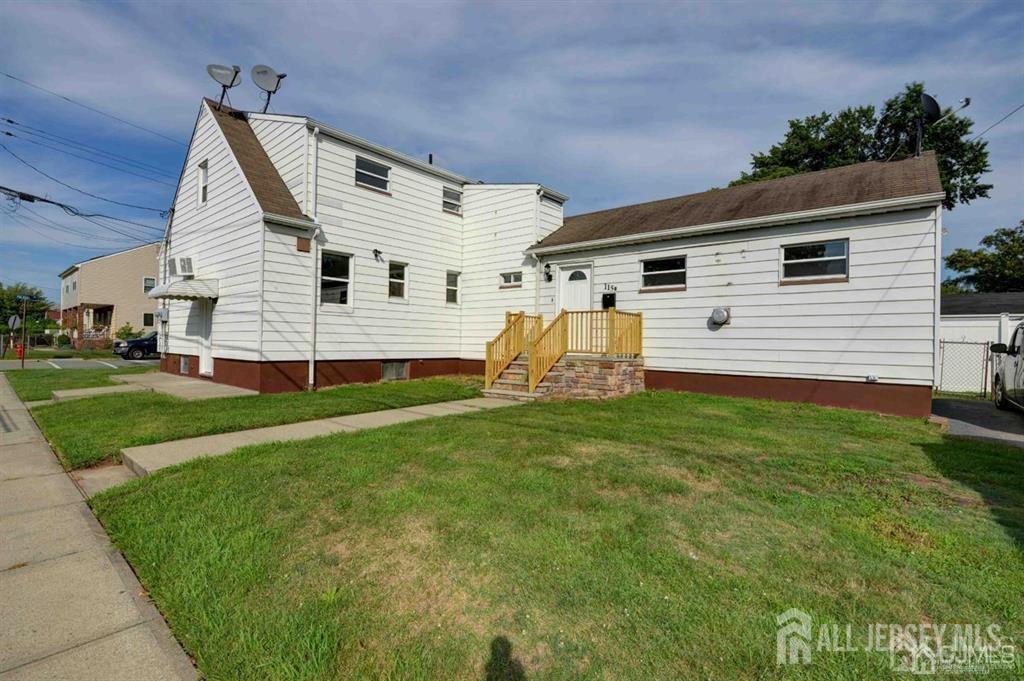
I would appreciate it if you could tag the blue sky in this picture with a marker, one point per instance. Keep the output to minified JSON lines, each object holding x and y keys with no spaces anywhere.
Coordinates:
{"x":609,"y":103}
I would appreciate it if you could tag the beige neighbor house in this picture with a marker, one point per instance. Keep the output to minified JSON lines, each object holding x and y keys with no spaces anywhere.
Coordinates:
{"x":100,"y":295}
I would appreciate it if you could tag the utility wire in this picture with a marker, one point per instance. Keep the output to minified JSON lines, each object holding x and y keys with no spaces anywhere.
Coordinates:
{"x":93,"y":109}
{"x":85,"y":158}
{"x":163,"y":213}
{"x":997,"y":122}
{"x":56,"y":225}
{"x":21,"y":221}
{"x":54,"y":138}
{"x":16,"y":195}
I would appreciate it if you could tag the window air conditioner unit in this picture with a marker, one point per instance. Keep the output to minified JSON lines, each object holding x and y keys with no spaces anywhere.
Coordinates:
{"x":172,"y":267}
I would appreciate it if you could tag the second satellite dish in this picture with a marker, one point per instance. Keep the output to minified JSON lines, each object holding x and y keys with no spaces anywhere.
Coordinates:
{"x":227,"y":76}
{"x":268,"y":80}
{"x":932,"y":112}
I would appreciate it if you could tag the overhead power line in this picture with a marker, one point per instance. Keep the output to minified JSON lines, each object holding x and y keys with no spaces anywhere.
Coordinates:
{"x":64,"y":228}
{"x":997,"y":122}
{"x":163,"y":213}
{"x":86,"y":158}
{"x":60,"y":139}
{"x":93,"y":109}
{"x":17,"y":195}
{"x":20,"y":219}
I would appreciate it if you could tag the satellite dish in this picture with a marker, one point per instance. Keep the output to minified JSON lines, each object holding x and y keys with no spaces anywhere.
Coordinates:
{"x":268,"y":80}
{"x":227,"y":76}
{"x":932,"y":111}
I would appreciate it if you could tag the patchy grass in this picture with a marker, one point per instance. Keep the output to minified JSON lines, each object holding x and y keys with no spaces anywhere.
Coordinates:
{"x":656,"y":536}
{"x":67,"y":353}
{"x":37,"y":384}
{"x":87,"y":432}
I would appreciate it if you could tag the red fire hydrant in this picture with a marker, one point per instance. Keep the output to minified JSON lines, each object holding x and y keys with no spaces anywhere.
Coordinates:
{"x":19,"y":351}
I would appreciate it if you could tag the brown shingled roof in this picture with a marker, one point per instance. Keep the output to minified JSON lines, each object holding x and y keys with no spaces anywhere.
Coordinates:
{"x":848,"y":185}
{"x":270,"y":190}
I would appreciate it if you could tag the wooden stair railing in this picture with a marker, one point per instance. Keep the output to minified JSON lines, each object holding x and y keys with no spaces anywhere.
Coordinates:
{"x":549,"y":347}
{"x":520,"y":330}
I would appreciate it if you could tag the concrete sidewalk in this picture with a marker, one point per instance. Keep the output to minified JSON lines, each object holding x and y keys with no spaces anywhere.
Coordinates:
{"x":184,"y":387}
{"x":147,"y":459}
{"x":70,"y":606}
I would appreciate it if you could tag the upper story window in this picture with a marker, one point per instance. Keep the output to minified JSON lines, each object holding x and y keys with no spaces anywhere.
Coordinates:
{"x":335,"y":277}
{"x":451,"y":200}
{"x":663,"y":273}
{"x":814,"y":262}
{"x":203,"y":182}
{"x":511,"y":280}
{"x":396,"y":279}
{"x":452,"y":288}
{"x":148,"y":283}
{"x":372,"y":174}
{"x":74,"y":286}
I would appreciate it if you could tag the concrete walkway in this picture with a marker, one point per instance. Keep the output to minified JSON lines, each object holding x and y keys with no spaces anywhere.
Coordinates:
{"x":150,"y":458}
{"x":70,"y":606}
{"x":181,"y":386}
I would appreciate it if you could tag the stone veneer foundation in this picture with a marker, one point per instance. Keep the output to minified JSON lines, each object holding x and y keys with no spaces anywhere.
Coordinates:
{"x":597,"y":378}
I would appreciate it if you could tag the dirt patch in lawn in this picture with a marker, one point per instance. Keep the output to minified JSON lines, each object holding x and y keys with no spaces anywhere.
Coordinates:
{"x":959,"y":497}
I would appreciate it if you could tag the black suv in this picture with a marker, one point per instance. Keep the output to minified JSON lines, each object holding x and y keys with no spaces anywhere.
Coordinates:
{"x":136,"y":348}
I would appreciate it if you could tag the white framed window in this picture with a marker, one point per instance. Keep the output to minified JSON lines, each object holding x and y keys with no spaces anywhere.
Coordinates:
{"x":451,"y":289}
{"x":663,"y":274}
{"x":335,"y":278}
{"x":148,"y":283}
{"x":203,"y":182}
{"x":74,"y":286}
{"x":451,"y":200}
{"x":815,"y":262}
{"x":396,"y":279}
{"x":511,"y":280}
{"x":372,"y":174}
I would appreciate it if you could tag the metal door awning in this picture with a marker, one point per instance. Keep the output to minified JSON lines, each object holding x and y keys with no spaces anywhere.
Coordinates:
{"x":187,"y":289}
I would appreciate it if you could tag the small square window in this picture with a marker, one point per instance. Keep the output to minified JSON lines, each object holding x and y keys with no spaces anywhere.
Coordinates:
{"x":335,"y":276}
{"x":372,"y":174}
{"x":451,"y":200}
{"x":813,"y":262}
{"x":511,"y":280}
{"x":147,"y":319}
{"x":148,"y":284}
{"x":396,"y":279}
{"x":452,"y":288}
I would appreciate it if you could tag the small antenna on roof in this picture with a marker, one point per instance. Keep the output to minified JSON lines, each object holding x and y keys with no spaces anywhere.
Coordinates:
{"x":268,"y":80}
{"x":227,"y":76}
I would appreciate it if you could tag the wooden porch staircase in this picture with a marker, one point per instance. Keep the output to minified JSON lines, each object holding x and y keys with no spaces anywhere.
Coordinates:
{"x":528,"y":361}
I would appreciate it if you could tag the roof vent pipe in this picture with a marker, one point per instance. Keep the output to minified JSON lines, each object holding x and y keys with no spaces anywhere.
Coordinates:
{"x":430,"y":159}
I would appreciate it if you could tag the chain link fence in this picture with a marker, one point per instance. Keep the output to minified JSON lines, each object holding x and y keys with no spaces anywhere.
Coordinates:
{"x":964,"y":367}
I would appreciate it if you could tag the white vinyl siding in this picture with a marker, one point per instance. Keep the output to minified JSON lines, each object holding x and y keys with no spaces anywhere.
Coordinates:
{"x":406,"y":227}
{"x":284,"y":139}
{"x":223,"y":241}
{"x":881,"y":322}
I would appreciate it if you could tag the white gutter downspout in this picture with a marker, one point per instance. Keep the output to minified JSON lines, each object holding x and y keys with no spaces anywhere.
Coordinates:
{"x":538,"y":274}
{"x":314,"y":250}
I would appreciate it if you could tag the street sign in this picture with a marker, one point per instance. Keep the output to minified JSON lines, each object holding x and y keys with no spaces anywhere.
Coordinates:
{"x":14,"y":322}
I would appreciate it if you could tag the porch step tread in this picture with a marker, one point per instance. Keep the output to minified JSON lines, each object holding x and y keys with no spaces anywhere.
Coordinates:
{"x":511,"y":394}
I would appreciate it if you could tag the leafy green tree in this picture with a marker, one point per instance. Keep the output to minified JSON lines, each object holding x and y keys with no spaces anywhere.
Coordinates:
{"x":858,"y":134}
{"x":11,"y":304}
{"x":998,"y":266}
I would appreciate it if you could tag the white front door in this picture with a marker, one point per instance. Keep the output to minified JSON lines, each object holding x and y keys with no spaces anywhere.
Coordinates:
{"x":574,"y":288}
{"x":206,"y":339}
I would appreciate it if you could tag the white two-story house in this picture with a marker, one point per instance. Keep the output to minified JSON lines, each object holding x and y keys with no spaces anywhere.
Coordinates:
{"x":300,"y":256}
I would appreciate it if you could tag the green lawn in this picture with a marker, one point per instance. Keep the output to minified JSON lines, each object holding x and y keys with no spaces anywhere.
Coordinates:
{"x":87,"y":432}
{"x":37,"y":384}
{"x":656,"y":536}
{"x":66,"y":353}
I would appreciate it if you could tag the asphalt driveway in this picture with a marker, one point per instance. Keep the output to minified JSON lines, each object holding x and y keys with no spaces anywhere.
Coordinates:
{"x":113,"y":362}
{"x":980,"y":419}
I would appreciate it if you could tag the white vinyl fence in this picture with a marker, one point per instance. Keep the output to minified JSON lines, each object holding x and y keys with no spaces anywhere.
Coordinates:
{"x":965,"y":362}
